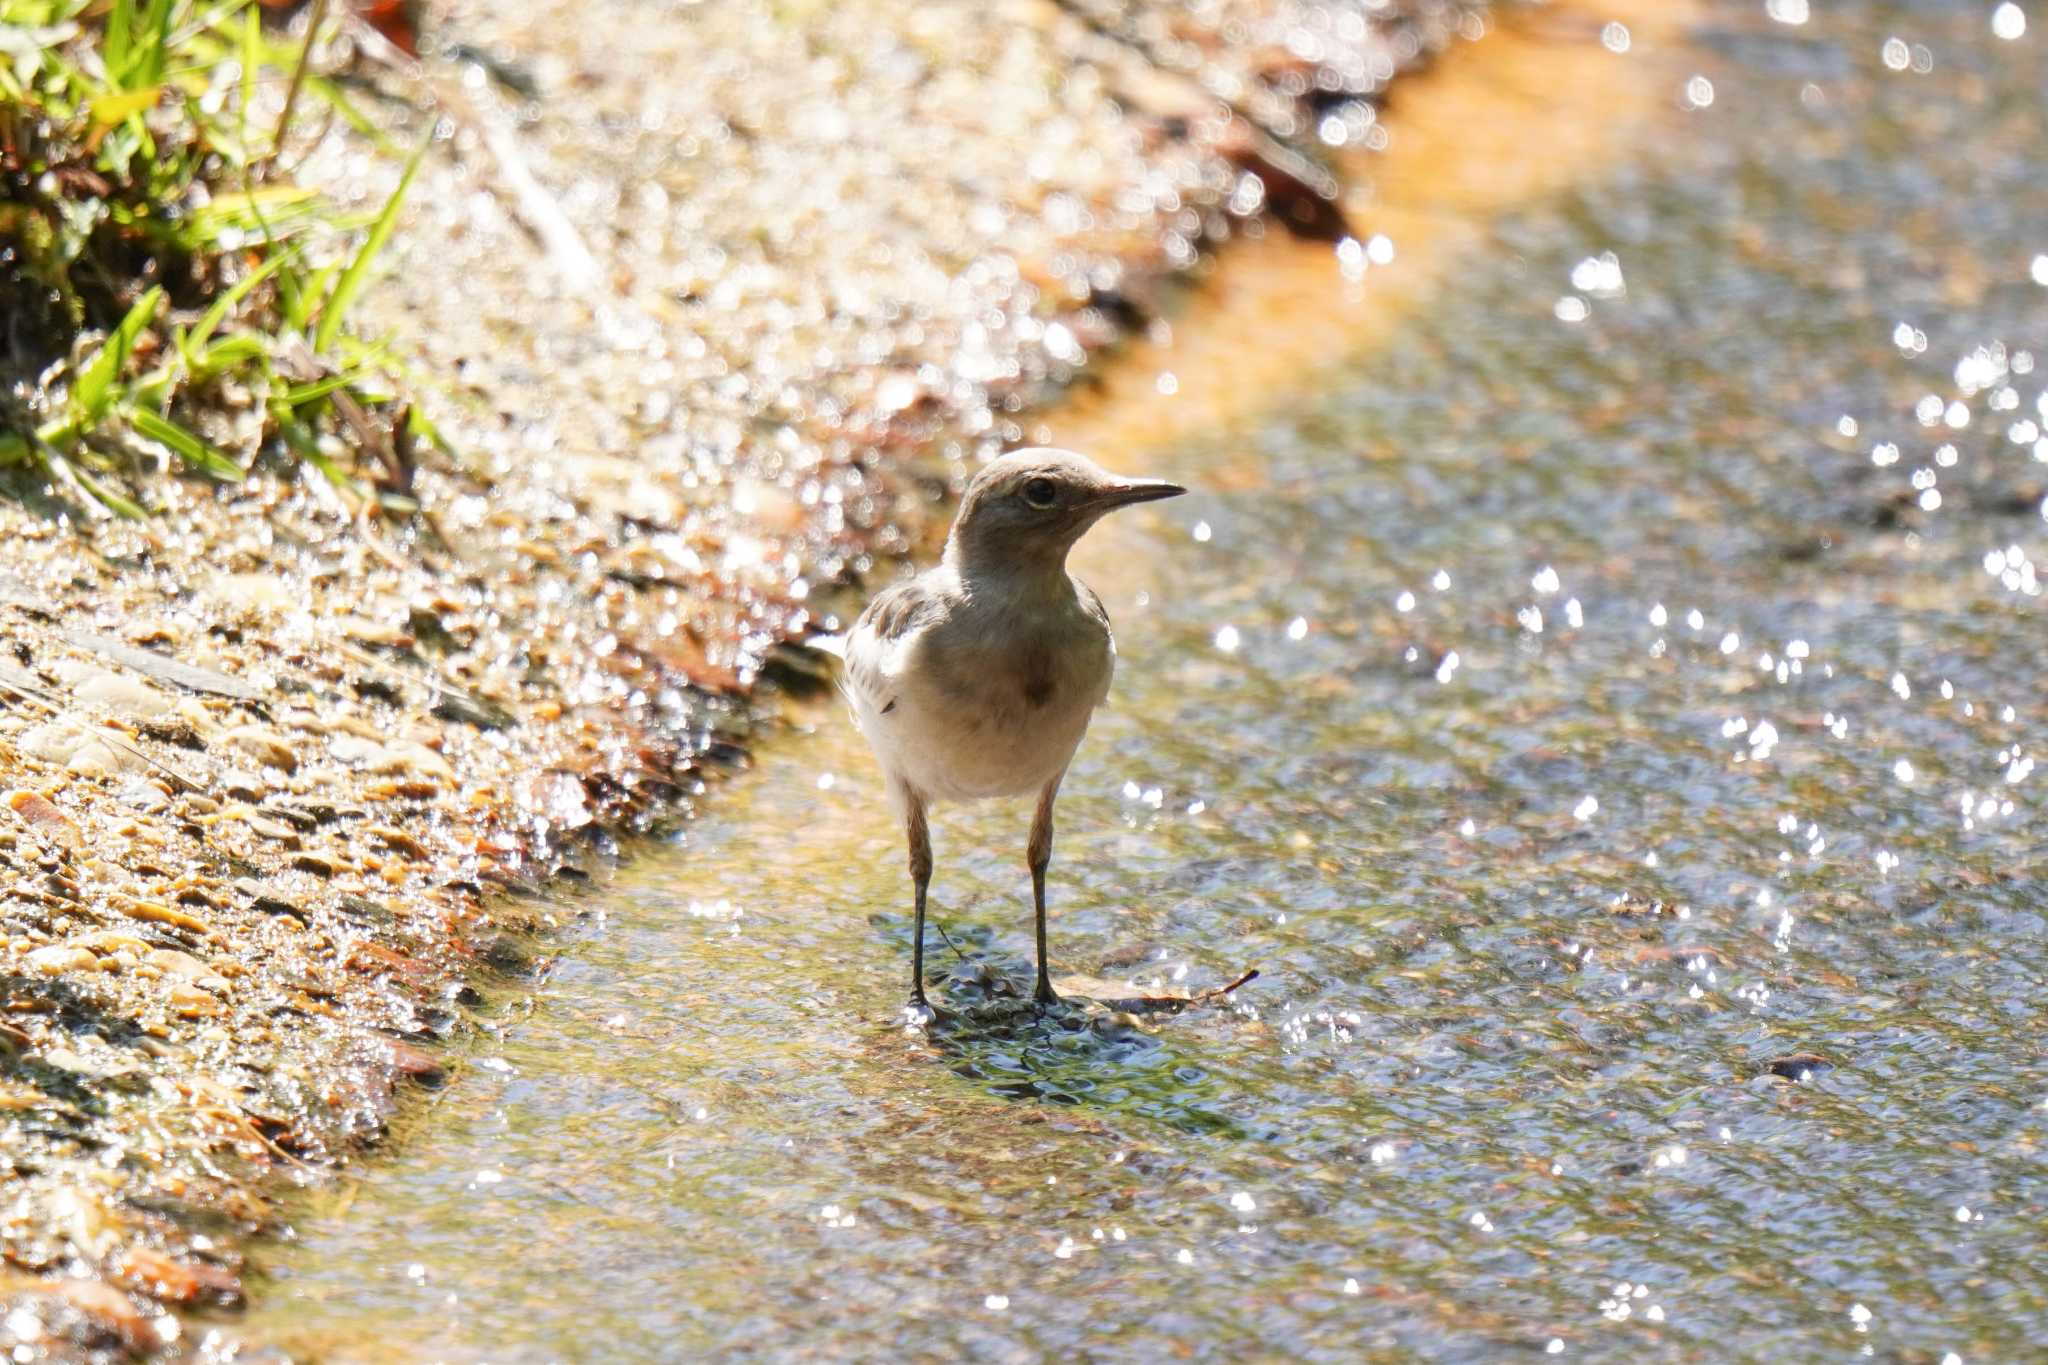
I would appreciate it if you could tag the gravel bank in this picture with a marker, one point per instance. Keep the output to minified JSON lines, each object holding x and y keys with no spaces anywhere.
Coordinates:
{"x":715,"y":302}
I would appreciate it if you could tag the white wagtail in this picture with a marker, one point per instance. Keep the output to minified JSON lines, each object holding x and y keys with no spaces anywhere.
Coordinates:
{"x":977,"y":678}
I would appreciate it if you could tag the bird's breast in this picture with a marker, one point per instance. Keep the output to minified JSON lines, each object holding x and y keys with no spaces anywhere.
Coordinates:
{"x":992,"y":711}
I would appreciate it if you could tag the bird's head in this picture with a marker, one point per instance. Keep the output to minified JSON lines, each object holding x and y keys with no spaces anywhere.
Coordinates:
{"x":1029,"y":507}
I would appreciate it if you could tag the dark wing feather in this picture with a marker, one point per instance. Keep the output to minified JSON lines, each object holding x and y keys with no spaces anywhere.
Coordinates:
{"x":894,"y":613}
{"x":897,"y":611}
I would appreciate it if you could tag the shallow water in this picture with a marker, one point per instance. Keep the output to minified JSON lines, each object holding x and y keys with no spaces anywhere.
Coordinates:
{"x":1666,"y":981}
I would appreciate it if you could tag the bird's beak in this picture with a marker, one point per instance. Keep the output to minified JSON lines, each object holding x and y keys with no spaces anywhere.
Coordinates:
{"x":1127,"y":491}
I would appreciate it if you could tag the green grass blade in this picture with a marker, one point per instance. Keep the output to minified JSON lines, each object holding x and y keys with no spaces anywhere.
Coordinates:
{"x":299,"y":298}
{"x":319,"y":388}
{"x":252,"y":61}
{"x":94,"y":390}
{"x":355,"y":118}
{"x":421,"y":427}
{"x":154,"y":57}
{"x":120,"y":39}
{"x":190,"y":448}
{"x":107,"y":497}
{"x":352,"y":279}
{"x":118,"y":106}
{"x":229,"y":352}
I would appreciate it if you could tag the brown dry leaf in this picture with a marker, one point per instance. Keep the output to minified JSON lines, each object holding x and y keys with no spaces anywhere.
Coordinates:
{"x":1128,"y":996}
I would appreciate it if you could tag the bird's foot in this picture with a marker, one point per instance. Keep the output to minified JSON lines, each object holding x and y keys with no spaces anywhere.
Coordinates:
{"x":921,"y":1013}
{"x":1045,"y":997}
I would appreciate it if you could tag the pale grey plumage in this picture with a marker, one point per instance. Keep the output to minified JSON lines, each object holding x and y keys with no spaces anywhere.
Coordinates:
{"x":978,"y":677}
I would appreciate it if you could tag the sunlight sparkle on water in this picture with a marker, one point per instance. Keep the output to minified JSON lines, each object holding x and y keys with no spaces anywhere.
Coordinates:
{"x":1599,"y":276}
{"x":2009,"y":22}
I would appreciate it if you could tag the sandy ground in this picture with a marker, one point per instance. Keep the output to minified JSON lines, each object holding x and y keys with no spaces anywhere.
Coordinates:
{"x":716,"y":303}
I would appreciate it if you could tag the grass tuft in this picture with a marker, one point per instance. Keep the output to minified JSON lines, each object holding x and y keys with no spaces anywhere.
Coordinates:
{"x":172,"y":300}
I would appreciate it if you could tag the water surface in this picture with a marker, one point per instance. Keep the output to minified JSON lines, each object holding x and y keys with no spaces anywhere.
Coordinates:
{"x":1606,"y":713}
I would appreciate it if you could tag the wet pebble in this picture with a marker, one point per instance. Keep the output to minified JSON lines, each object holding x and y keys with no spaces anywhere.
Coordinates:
{"x":265,"y":746}
{"x":44,"y":816}
{"x":60,"y":959}
{"x":1799,"y":1066}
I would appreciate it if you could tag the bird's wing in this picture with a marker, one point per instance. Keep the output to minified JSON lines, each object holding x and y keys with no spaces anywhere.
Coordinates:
{"x":1092,"y":604}
{"x":880,"y":639}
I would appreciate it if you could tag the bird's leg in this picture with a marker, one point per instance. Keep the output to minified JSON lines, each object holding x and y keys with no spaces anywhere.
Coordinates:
{"x":921,"y":877}
{"x":1040,"y":853}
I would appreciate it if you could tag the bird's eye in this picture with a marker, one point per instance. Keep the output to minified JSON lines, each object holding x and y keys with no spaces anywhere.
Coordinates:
{"x":1041,"y":493}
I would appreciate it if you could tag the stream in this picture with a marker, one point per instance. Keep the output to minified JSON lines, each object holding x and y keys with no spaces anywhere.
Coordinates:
{"x":1605,"y":710}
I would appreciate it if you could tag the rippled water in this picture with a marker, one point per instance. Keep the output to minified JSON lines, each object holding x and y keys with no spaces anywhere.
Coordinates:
{"x":1607,"y":716}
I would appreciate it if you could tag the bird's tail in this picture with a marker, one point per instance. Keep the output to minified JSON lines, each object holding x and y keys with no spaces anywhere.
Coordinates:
{"x":835,"y":645}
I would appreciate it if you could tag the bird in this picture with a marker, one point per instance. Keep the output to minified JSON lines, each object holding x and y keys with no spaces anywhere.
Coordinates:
{"x":977,"y":678}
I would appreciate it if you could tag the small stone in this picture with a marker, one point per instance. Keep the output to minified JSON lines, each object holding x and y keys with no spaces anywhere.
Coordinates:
{"x":140,"y":794}
{"x":257,"y":594}
{"x":190,"y":1002}
{"x":319,"y":864}
{"x":128,"y":698}
{"x":418,"y":759}
{"x":43,"y":815}
{"x":163,"y":1277}
{"x":60,"y":958}
{"x":174,"y":962}
{"x":244,"y":786}
{"x":1799,"y":1066}
{"x":160,"y":914}
{"x":97,"y":758}
{"x":397,"y":840}
{"x":54,"y":742}
{"x":265,"y":746}
{"x":370,"y":632}
{"x":305,"y":821}
{"x":275,"y":829}
{"x":262,"y":898}
{"x":413,"y":1062}
{"x":354,"y":748}
{"x":113,"y":941}
{"x":109,"y":1306}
